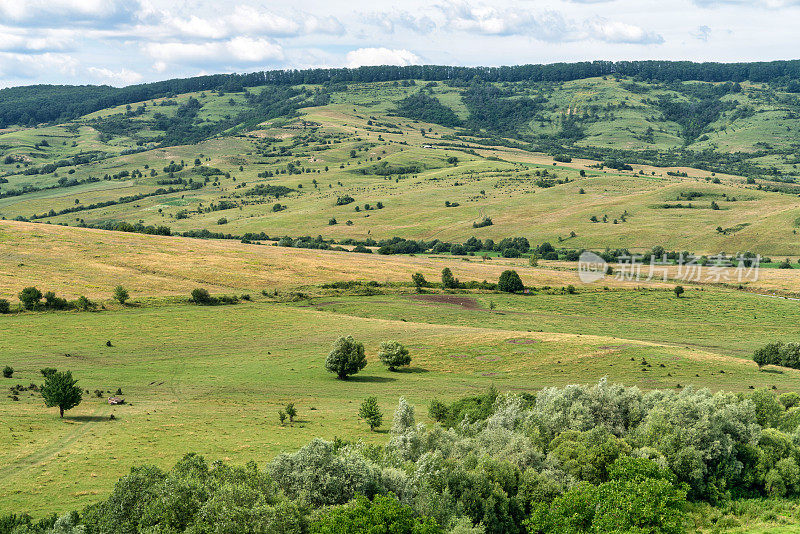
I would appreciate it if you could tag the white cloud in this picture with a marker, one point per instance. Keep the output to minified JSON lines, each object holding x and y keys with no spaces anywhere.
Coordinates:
{"x":66,"y":13}
{"x":381,"y":56}
{"x":620,"y":32}
{"x":33,"y":66}
{"x":120,"y":77}
{"x":236,"y":51}
{"x":25,"y":41}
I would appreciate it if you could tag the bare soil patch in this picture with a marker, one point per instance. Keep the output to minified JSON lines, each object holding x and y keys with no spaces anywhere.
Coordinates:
{"x":454,"y":300}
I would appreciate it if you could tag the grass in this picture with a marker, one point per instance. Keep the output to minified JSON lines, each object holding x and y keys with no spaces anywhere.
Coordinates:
{"x":211,"y":380}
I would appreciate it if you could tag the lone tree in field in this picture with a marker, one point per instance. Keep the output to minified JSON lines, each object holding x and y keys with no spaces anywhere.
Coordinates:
{"x":121,"y":294}
{"x":30,"y":297}
{"x":346,"y":357}
{"x":448,"y":280}
{"x":371,"y":412}
{"x":419,"y":281}
{"x":510,"y":282}
{"x":678,"y":291}
{"x":393,"y":354}
{"x":8,"y":371}
{"x":60,"y":390}
{"x":291,"y":411}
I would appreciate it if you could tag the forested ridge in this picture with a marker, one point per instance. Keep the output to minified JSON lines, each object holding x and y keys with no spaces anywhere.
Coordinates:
{"x":47,"y":103}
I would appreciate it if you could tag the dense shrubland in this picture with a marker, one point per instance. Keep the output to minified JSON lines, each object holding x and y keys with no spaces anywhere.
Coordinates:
{"x":573,"y":459}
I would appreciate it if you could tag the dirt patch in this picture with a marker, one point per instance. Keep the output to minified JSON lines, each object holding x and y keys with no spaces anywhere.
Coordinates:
{"x":522,"y":341}
{"x":454,"y":300}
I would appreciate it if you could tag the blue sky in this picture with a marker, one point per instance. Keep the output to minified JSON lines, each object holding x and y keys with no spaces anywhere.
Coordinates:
{"x":120,"y":42}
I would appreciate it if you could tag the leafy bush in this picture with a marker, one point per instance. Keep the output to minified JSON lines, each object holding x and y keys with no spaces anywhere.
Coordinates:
{"x":346,"y":357}
{"x":8,"y":371}
{"x":393,"y":355}
{"x":510,"y":282}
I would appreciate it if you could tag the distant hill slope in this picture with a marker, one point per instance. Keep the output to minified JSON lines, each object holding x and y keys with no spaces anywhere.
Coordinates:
{"x":606,"y":161}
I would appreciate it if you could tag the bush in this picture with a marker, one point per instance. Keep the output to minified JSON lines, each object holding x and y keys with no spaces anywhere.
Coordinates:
{"x":510,"y":282}
{"x":448,"y":280}
{"x":30,"y":297}
{"x":121,"y":295}
{"x":8,"y":371}
{"x":393,"y":354}
{"x":85,"y":304}
{"x":383,"y":514}
{"x":371,"y":412}
{"x":346,"y":358}
{"x":203,"y":297}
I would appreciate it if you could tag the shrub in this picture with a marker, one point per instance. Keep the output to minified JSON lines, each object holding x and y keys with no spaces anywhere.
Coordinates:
{"x":346,"y":357}
{"x":383,"y":514}
{"x":419,"y":281}
{"x":789,"y":399}
{"x":393,"y":354}
{"x":8,"y":371}
{"x":678,"y":291}
{"x":85,"y":304}
{"x":121,"y":295}
{"x":371,"y":412}
{"x":30,"y":297}
{"x":202,"y":297}
{"x":448,"y":280}
{"x":438,"y":411}
{"x":5,"y":306}
{"x":510,"y":282}
{"x":291,"y":411}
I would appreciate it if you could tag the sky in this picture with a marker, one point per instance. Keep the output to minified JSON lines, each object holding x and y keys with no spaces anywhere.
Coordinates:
{"x":122,"y":42}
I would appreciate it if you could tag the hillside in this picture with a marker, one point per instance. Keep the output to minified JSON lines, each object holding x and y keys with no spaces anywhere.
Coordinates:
{"x":438,"y":156}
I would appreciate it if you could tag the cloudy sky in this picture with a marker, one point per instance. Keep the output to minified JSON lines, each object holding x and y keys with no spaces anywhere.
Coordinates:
{"x":120,"y":42}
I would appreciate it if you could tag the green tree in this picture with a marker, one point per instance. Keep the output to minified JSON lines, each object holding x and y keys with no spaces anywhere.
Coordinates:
{"x":121,"y":294}
{"x":60,"y":390}
{"x":678,"y":291}
{"x":8,"y":371}
{"x":5,"y":306}
{"x":769,"y":354}
{"x":383,"y":514}
{"x":419,"y":281}
{"x":291,"y":411}
{"x":346,"y":357}
{"x":510,"y":282}
{"x":282,"y":416}
{"x":393,"y":354}
{"x":448,"y":280}
{"x":30,"y":297}
{"x":371,"y":412}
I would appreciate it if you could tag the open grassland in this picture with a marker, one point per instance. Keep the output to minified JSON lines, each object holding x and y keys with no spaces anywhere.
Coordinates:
{"x":79,"y":261}
{"x":211,"y":380}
